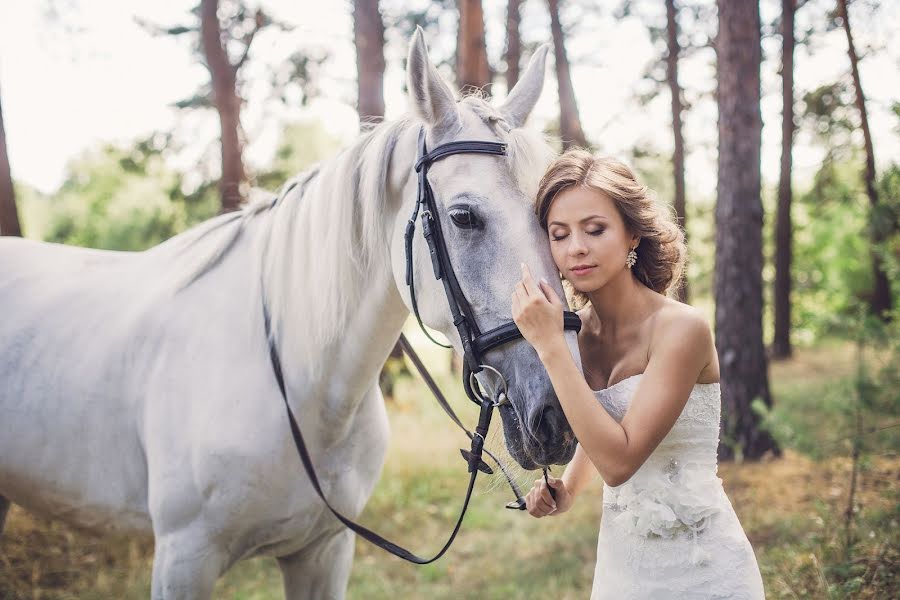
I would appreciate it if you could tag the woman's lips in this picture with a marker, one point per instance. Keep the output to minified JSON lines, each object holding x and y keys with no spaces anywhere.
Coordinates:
{"x":581,"y":270}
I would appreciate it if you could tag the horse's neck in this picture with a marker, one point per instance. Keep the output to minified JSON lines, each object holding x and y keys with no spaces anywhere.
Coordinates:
{"x":341,"y":369}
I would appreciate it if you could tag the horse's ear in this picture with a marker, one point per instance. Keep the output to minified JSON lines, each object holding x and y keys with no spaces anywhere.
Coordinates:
{"x":431,"y":98}
{"x":521,"y":99}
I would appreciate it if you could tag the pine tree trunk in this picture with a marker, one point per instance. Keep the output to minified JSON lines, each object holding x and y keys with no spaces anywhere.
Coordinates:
{"x":513,"y":43}
{"x":473,"y":69}
{"x":881,"y":300}
{"x":683,"y":291}
{"x":569,"y":122}
{"x":9,"y":215}
{"x":228,"y":105}
{"x":739,"y":220}
{"x":781,"y":344}
{"x":368,"y":31}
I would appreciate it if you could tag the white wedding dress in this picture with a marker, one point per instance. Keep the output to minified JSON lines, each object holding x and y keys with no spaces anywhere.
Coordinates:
{"x":670,"y":531}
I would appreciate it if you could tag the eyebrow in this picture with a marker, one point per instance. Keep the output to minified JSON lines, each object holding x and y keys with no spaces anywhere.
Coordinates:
{"x":584,"y":220}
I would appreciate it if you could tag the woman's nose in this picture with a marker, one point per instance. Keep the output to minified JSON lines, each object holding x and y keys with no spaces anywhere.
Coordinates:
{"x":577,"y":245}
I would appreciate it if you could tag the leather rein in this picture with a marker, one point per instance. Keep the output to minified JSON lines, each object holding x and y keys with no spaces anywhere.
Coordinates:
{"x":475,"y":345}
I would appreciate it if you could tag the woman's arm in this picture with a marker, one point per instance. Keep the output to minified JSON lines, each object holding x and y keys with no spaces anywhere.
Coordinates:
{"x":579,"y":472}
{"x":617,"y":450}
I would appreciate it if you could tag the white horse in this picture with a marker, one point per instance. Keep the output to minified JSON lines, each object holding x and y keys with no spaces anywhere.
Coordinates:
{"x":137,"y":391}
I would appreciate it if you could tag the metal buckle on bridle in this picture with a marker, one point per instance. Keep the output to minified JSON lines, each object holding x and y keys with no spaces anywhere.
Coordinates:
{"x":499,"y":393}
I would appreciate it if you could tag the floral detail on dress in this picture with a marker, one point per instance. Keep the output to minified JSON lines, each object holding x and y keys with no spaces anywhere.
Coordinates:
{"x":669,"y":505}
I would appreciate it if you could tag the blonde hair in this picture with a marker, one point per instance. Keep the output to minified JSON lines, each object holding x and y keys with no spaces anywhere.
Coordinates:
{"x":662,"y":251}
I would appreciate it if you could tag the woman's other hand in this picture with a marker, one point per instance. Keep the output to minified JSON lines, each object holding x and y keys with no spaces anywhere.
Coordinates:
{"x":540,"y":503}
{"x":537,"y":311}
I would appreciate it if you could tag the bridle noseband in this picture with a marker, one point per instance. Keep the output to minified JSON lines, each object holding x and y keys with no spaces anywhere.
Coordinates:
{"x":475,"y":345}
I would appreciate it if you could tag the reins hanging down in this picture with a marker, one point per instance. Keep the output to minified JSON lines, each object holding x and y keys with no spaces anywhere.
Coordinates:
{"x":475,"y":346}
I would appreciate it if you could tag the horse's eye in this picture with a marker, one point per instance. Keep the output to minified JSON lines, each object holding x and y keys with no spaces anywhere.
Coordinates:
{"x":464,"y":218}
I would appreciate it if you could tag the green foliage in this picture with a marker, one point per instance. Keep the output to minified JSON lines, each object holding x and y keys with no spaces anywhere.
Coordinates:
{"x":833,"y":244}
{"x":302,"y":145}
{"x":123,"y":199}
{"x":128,"y":198}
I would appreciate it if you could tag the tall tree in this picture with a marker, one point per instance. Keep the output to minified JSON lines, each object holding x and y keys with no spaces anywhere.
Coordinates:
{"x":472,"y":68}
{"x":513,"y":42}
{"x":227,"y":102}
{"x":739,"y":220}
{"x":569,"y":122}
{"x":9,"y":215}
{"x":674,"y":49}
{"x":781,"y":343}
{"x":881,"y":300}
{"x":224,"y":31}
{"x":368,"y":33}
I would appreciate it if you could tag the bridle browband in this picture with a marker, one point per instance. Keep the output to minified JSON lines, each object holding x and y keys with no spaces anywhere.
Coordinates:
{"x":475,"y":345}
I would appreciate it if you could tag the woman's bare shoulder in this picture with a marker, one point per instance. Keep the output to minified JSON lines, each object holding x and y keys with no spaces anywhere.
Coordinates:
{"x":686,"y":324}
{"x":678,"y":315}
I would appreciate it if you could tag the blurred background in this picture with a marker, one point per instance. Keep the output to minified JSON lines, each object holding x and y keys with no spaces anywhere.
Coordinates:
{"x":771,"y":128}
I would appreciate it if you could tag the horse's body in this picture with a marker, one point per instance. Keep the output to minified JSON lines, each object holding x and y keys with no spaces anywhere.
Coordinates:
{"x":137,"y":392}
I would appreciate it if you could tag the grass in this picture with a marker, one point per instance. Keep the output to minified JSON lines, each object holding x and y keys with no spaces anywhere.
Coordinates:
{"x":791,"y":508}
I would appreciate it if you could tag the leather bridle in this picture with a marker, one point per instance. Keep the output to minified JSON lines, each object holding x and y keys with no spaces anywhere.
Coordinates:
{"x":475,"y":345}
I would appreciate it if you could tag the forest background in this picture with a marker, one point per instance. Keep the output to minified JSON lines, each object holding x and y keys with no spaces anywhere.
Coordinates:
{"x":122,"y":125}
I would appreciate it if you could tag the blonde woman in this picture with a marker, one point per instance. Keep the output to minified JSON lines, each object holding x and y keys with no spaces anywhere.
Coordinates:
{"x":651,"y":431}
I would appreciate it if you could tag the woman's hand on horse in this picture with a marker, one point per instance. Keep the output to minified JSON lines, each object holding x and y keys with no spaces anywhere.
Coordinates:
{"x":537,"y":311}
{"x":540,"y":503}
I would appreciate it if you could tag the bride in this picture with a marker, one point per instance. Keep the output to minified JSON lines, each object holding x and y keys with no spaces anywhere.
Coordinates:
{"x":668,"y":530}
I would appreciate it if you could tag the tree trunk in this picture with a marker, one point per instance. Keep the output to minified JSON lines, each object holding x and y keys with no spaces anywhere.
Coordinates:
{"x":368,"y":32}
{"x":569,"y":122}
{"x":513,"y":43}
{"x":228,"y":105}
{"x":9,"y":215}
{"x":739,"y":220}
{"x":781,"y":343}
{"x":473,"y":69}
{"x":683,"y":292}
{"x":881,"y":300}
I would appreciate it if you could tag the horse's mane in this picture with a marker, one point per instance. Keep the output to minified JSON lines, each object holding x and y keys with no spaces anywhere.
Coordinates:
{"x":337,"y":208}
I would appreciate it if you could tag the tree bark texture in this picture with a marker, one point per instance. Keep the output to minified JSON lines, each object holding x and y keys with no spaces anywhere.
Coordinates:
{"x":674,"y":49}
{"x":881,"y":299}
{"x":513,"y":42}
{"x":739,"y":220}
{"x":473,"y":70}
{"x":368,"y":32}
{"x":569,"y":121}
{"x":781,"y":344}
{"x":228,"y":105}
{"x":9,"y":214}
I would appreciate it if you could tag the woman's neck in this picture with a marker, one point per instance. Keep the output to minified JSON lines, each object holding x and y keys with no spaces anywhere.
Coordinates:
{"x":622,"y":303}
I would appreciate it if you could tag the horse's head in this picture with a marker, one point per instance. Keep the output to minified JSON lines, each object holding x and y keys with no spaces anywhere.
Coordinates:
{"x":485,"y":207}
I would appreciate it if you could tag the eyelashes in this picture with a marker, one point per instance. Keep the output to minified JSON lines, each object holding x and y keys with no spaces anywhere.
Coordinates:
{"x":558,"y":238}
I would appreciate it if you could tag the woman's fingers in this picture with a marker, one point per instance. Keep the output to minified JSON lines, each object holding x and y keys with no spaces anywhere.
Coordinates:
{"x":550,"y":293}
{"x":528,"y":282}
{"x":538,"y":501}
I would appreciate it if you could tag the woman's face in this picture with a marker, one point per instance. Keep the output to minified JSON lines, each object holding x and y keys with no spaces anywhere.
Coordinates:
{"x":588,"y":238}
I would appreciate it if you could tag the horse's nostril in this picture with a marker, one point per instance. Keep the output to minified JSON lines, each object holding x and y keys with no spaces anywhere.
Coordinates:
{"x":543,"y":424}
